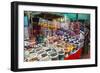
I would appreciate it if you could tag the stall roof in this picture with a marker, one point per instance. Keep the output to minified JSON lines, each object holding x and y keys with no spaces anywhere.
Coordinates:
{"x":47,"y":15}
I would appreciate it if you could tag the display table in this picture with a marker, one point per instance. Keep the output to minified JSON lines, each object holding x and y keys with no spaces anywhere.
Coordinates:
{"x":76,"y":55}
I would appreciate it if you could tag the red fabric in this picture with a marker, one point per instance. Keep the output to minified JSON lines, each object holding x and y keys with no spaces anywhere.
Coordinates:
{"x":77,"y":55}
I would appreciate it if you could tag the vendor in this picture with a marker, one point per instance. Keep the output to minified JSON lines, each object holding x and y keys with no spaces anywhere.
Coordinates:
{"x":86,"y":40}
{"x":75,"y":27}
{"x":40,"y":38}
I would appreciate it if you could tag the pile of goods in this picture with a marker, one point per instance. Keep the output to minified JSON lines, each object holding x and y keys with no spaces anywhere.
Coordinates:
{"x":55,"y":47}
{"x":54,"y":39}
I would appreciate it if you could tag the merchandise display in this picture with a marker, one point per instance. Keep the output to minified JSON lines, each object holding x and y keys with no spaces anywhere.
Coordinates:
{"x":53,"y":38}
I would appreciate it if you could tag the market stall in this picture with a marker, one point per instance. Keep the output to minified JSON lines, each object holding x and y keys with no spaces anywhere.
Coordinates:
{"x":54,"y":37}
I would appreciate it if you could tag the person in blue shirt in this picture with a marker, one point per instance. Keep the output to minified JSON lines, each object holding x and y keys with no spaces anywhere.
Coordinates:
{"x":26,"y":33}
